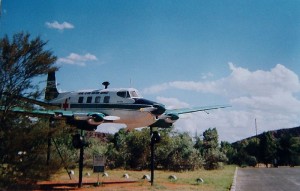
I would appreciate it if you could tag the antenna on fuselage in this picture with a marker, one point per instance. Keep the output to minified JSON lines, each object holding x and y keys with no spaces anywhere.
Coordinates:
{"x":106,"y":84}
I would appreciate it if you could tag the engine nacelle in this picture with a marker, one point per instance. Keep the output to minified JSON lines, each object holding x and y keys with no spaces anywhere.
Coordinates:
{"x":171,"y":117}
{"x":166,"y":120}
{"x":95,"y":118}
{"x":159,"y":109}
{"x":161,"y":123}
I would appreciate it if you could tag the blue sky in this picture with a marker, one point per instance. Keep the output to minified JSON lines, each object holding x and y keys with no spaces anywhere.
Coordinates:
{"x":180,"y":53}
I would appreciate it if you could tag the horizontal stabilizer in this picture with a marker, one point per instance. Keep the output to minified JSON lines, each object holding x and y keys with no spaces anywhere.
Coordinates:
{"x":34,"y":101}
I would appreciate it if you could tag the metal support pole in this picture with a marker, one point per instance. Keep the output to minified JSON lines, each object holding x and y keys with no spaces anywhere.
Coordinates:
{"x":152,"y":157}
{"x":49,"y":149}
{"x":81,"y":163}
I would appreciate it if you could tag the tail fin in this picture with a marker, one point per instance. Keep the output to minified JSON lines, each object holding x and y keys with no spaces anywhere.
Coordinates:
{"x":51,"y":90}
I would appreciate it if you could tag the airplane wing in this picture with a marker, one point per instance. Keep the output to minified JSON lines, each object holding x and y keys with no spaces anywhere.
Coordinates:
{"x":38,"y":112}
{"x":83,"y":120}
{"x":195,"y":109}
{"x":170,"y":116}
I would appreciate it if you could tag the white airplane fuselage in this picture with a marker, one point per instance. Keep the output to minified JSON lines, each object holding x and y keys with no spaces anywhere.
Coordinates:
{"x":88,"y":109}
{"x":124,"y":106}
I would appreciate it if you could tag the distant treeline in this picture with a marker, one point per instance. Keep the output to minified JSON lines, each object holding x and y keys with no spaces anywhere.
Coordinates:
{"x":175,"y":151}
{"x":279,"y":147}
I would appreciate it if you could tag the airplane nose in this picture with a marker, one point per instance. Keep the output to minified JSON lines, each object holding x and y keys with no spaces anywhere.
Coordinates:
{"x":160,"y":109}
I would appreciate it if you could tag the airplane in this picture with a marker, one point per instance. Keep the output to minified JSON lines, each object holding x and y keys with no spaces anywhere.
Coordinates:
{"x":88,"y":109}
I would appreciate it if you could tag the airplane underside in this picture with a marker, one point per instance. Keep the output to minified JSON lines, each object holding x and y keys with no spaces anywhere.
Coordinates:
{"x":131,"y":118}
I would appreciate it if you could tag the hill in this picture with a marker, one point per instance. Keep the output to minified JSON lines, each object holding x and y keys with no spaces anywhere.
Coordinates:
{"x":293,"y":132}
{"x":278,"y":147}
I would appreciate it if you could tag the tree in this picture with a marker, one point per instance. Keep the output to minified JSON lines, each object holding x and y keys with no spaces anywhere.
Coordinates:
{"x":182,"y":154}
{"x":199,"y":144}
{"x":229,"y":151}
{"x":132,"y":150}
{"x":164,"y":148}
{"x":96,"y":147}
{"x":240,"y":156}
{"x":211,"y":151}
{"x":295,"y":151}
{"x":284,"y":150}
{"x":210,"y":138}
{"x":139,"y":148}
{"x":21,"y":61}
{"x":268,"y":148}
{"x":119,"y":154}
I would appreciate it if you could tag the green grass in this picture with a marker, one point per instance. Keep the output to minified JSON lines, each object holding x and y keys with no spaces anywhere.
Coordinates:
{"x":214,"y":180}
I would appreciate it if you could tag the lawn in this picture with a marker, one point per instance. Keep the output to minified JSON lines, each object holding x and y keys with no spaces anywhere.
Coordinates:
{"x":214,"y":180}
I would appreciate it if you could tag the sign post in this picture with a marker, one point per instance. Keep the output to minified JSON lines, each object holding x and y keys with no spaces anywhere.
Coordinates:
{"x":99,"y":163}
{"x":155,"y":138}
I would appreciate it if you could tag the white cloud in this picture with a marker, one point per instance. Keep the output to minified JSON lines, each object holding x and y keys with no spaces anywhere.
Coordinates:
{"x":205,"y":87}
{"x":268,"y":96}
{"x":280,"y":102}
{"x":59,"y":26}
{"x":207,"y":75}
{"x":156,"y":88}
{"x":172,"y":103}
{"x":240,"y":82}
{"x":261,"y":83}
{"x":76,"y":59}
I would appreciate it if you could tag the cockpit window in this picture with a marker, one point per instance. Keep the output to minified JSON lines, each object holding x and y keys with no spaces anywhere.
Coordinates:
{"x":123,"y":94}
{"x":128,"y":94}
{"x":134,"y":94}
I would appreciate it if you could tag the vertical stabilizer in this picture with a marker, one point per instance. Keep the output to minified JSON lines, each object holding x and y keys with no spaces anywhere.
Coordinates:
{"x":51,"y":90}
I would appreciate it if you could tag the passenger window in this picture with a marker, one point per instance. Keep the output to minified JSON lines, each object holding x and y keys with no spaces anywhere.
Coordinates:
{"x":89,"y":100}
{"x":123,"y":94}
{"x":106,"y":99}
{"x":80,"y":100}
{"x":97,"y":99}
